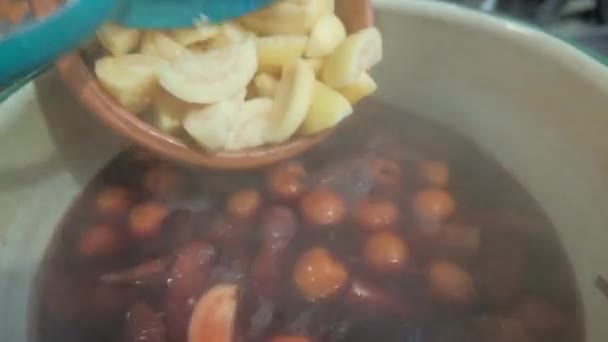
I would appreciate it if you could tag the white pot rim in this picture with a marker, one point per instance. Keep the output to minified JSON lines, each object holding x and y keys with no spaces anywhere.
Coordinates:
{"x":590,"y":64}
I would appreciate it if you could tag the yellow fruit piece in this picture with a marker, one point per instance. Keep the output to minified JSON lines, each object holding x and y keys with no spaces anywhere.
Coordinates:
{"x":327,"y":109}
{"x":214,"y":315}
{"x":325,"y":37}
{"x":230,"y":33}
{"x":292,"y":101}
{"x":287,"y":17}
{"x":274,"y":52}
{"x":130,"y":79}
{"x":169,"y":112}
{"x":316,"y":64}
{"x":251,"y":91}
{"x":354,"y":56}
{"x":210,"y":77}
{"x":210,"y":125}
{"x":167,"y":124}
{"x":251,"y":124}
{"x":356,"y":91}
{"x":265,"y":85}
{"x":118,"y":40}
{"x":161,"y":44}
{"x":197,"y":34}
{"x":329,"y":7}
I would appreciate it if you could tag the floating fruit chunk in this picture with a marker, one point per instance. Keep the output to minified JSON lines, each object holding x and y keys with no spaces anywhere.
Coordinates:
{"x":386,"y":253}
{"x":286,"y":182}
{"x":244,"y":204}
{"x":146,"y":219}
{"x":318,"y":275}
{"x":323,"y":208}
{"x":214,"y":314}
{"x":376,"y":214}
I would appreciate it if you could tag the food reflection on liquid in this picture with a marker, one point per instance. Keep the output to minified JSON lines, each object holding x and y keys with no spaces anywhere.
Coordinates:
{"x":393,"y":230}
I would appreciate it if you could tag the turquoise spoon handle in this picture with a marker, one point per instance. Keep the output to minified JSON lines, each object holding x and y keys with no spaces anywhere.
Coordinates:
{"x":40,"y":42}
{"x":168,"y":14}
{"x":37,"y":44}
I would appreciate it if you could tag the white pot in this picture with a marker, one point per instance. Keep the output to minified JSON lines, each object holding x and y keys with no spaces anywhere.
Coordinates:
{"x":536,"y":104}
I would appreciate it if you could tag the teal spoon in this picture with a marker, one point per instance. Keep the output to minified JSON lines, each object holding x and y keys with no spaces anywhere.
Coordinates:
{"x":159,"y":14}
{"x":37,"y":43}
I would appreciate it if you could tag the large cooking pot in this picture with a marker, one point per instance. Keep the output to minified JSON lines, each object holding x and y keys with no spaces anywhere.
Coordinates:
{"x":533,"y":102}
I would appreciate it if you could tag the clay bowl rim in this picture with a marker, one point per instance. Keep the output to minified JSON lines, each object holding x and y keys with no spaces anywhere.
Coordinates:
{"x":84,"y":85}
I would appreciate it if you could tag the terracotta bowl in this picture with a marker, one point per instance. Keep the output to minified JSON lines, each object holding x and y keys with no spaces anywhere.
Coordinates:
{"x":356,"y":14}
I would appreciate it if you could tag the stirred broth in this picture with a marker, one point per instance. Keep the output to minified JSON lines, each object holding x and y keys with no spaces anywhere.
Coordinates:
{"x":395,"y":229}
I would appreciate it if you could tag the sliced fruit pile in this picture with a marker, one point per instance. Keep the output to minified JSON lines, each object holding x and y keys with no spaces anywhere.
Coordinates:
{"x":287,"y":69}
